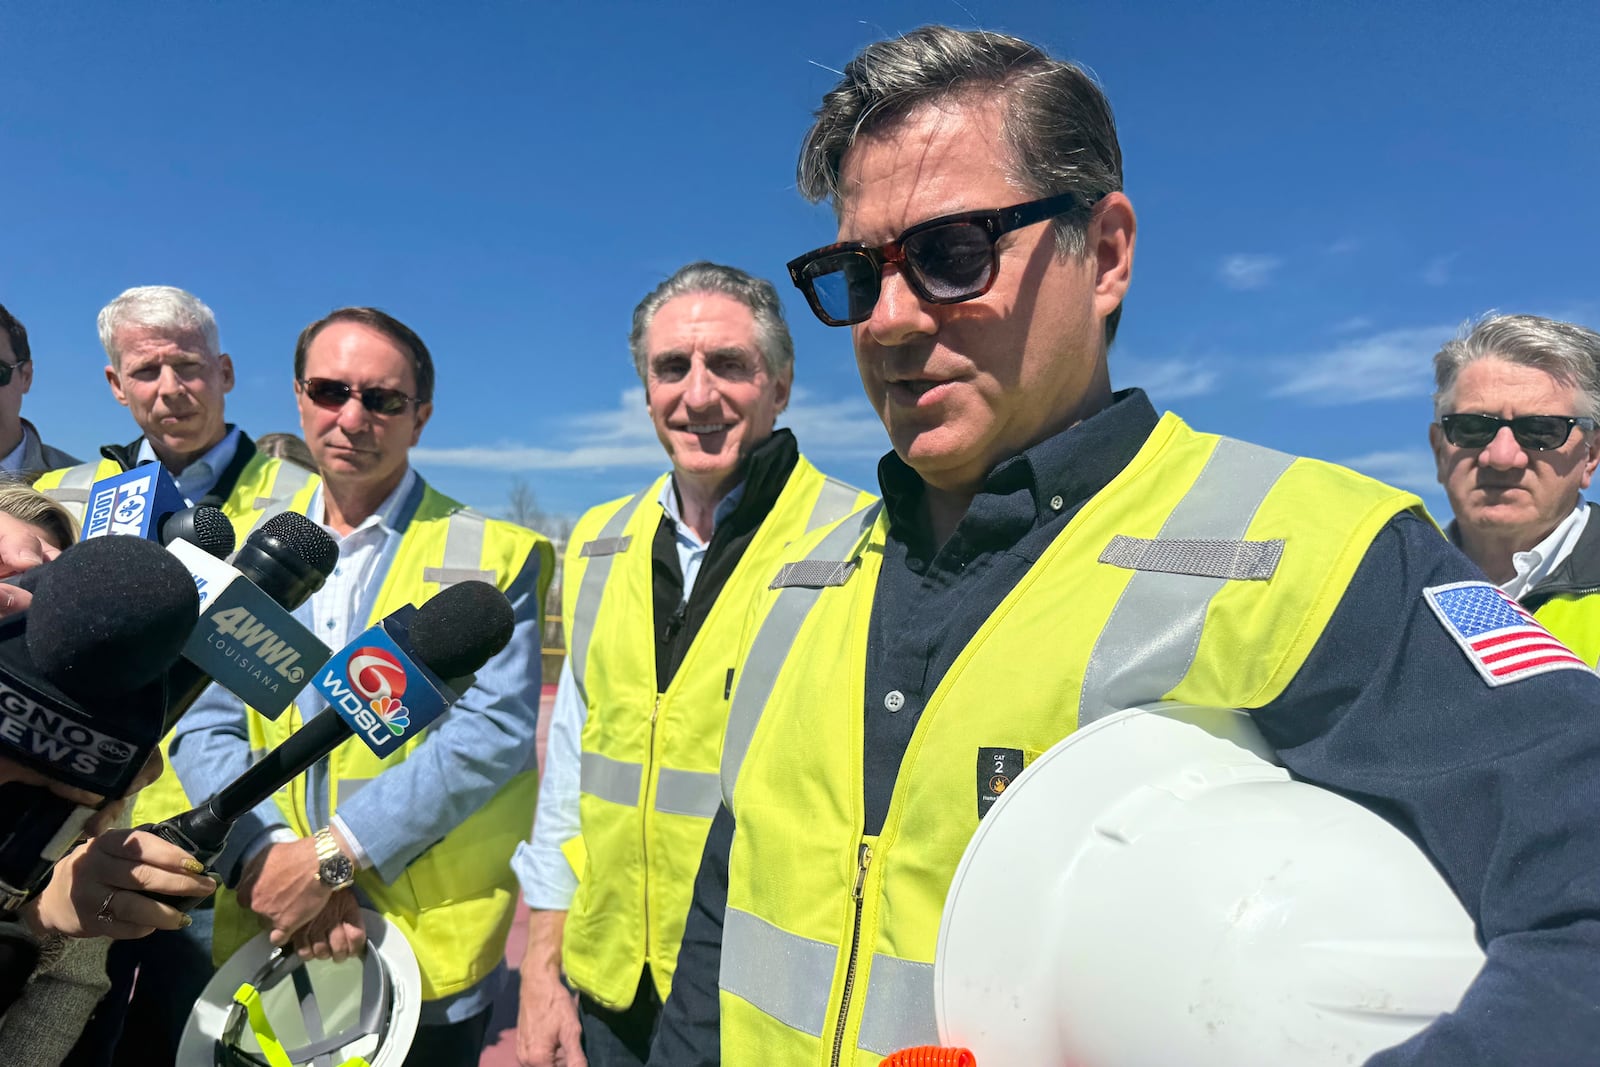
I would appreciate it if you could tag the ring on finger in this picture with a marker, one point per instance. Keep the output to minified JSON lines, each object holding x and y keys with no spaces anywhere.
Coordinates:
{"x":104,"y":914}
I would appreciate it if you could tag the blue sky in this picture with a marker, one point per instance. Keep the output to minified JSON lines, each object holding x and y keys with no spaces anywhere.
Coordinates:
{"x":1325,"y":191}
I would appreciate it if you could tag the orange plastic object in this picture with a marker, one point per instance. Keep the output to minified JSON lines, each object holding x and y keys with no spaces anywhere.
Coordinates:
{"x":931,"y":1056}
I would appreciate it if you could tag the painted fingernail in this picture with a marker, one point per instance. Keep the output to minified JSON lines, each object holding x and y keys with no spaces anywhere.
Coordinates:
{"x":185,"y":920}
{"x":194,"y":866}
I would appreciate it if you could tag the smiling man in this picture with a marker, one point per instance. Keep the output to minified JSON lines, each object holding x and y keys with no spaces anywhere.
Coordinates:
{"x":424,"y":835}
{"x":1049,"y":552}
{"x":1515,"y":441}
{"x":654,"y":597}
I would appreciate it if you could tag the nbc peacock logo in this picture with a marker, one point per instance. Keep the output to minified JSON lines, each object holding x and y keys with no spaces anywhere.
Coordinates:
{"x":380,"y":679}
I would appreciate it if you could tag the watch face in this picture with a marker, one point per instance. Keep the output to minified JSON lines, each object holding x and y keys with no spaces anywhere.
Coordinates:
{"x":336,"y":871}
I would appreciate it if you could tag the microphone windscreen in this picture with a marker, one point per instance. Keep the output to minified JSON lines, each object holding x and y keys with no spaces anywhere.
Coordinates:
{"x":204,"y":526}
{"x":457,"y":631}
{"x":109,"y":616}
{"x":304,"y":538}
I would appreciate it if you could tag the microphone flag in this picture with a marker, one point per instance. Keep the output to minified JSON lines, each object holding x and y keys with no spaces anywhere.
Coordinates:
{"x":245,"y":640}
{"x":380,"y":691}
{"x":132,"y":502}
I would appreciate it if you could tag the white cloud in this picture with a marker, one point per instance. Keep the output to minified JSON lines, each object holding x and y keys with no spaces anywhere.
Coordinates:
{"x":1164,"y":379}
{"x":1409,"y":469}
{"x":1248,"y":271}
{"x":1381,"y":366}
{"x":623,"y":437}
{"x":1437,"y":271}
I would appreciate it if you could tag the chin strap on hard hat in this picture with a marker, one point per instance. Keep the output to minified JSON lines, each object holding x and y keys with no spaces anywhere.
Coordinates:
{"x":931,"y":1056}
{"x":248,"y":998}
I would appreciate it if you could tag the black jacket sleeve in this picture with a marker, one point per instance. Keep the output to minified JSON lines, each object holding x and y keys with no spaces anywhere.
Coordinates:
{"x":1498,"y":785}
{"x":690,"y":1033}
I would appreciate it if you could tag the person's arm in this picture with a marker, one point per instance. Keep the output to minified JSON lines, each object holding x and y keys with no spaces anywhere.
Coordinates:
{"x":690,"y":1032}
{"x":473,"y":750}
{"x":210,"y":748}
{"x":1498,"y":785}
{"x":547,"y":1018}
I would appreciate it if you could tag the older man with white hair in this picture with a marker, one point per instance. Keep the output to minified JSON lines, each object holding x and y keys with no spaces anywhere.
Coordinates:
{"x":1515,"y":441}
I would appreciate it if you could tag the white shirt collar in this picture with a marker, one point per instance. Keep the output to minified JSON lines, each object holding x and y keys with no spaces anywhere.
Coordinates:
{"x":1535,"y":565}
{"x":724,"y":508}
{"x":386,"y":516}
{"x":18,"y":457}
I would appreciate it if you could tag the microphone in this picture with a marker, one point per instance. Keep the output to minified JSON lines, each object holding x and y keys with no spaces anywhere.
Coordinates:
{"x":247,"y":640}
{"x":137,"y":502}
{"x":82,"y":692}
{"x":387,"y":685}
{"x":203,"y":526}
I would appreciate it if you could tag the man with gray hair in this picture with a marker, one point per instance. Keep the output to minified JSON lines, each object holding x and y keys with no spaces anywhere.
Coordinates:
{"x":654,"y":594}
{"x":1514,"y":437}
{"x":167,"y":367}
{"x":22,"y":450}
{"x":1049,"y":553}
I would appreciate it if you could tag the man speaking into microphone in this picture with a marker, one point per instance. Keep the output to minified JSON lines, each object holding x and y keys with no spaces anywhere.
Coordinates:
{"x":423,"y":835}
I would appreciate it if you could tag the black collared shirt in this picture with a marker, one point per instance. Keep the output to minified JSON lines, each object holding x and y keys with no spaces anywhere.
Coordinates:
{"x":931,"y":599}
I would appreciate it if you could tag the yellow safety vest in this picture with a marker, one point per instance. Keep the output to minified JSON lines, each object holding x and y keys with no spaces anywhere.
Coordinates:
{"x":1204,"y":572}
{"x":1575,"y":619}
{"x":265,"y":487}
{"x":453,"y":903}
{"x":649,"y":777}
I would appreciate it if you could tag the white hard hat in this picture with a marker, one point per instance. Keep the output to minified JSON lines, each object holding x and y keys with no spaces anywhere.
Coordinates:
{"x":266,"y":1007}
{"x":1155,"y":890}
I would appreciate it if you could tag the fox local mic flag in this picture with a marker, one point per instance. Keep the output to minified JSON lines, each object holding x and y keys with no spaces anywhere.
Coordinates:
{"x":245,"y":640}
{"x":380,"y":691}
{"x":132,"y":502}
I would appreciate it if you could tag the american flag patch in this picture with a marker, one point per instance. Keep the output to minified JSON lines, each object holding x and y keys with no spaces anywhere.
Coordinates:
{"x":1503,"y":641}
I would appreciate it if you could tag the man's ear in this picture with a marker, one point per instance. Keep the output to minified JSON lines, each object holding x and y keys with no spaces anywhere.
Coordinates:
{"x":25,"y":373}
{"x":1592,"y":459}
{"x":114,"y":380}
{"x":1111,"y":237}
{"x":226,"y":363}
{"x":1436,"y":442}
{"x":424,"y":413}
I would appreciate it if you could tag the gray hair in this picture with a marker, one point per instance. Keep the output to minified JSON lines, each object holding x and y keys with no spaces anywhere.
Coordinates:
{"x":158,"y":307}
{"x":772,"y":332}
{"x":1058,"y":122}
{"x":1566,"y":351}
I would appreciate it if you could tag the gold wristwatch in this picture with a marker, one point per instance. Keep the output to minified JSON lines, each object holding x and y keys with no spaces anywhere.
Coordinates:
{"x":334,"y":868}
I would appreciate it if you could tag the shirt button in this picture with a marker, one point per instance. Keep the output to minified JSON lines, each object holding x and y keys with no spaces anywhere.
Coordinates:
{"x":1056,"y":504}
{"x":894,"y":700}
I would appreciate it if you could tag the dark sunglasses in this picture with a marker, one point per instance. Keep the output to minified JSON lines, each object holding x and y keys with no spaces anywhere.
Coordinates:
{"x":330,"y":394}
{"x":944,"y":260}
{"x":7,"y":370}
{"x":1536,"y":433}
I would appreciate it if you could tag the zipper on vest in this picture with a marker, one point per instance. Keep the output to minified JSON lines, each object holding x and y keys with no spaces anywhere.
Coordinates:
{"x":863,"y":861}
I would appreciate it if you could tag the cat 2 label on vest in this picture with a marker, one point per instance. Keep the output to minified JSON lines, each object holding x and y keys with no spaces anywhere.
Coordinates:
{"x":997,"y":769}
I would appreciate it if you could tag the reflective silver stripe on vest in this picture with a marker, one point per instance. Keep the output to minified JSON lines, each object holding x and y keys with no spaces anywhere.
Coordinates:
{"x":286,"y":485}
{"x":610,"y":779}
{"x":73,"y":492}
{"x":899,"y":1009}
{"x":1149,"y":642}
{"x":1239,"y":561}
{"x":782,"y":974}
{"x":590,"y":591}
{"x":605,"y":546}
{"x":834,"y":502}
{"x":772,"y":644}
{"x":463,"y":551}
{"x":688,"y":792}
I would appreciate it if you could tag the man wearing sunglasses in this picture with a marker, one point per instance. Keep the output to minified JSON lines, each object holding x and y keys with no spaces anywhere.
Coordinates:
{"x":655,"y":589}
{"x":1048,"y":553}
{"x":424,"y":835}
{"x":166,"y":365}
{"x":22,"y":450}
{"x":1514,"y":438}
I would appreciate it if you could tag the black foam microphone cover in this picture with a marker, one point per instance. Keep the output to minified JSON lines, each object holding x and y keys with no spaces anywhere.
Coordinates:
{"x":109,"y":616}
{"x":288,"y":557}
{"x":202,"y":525}
{"x":461,"y":628}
